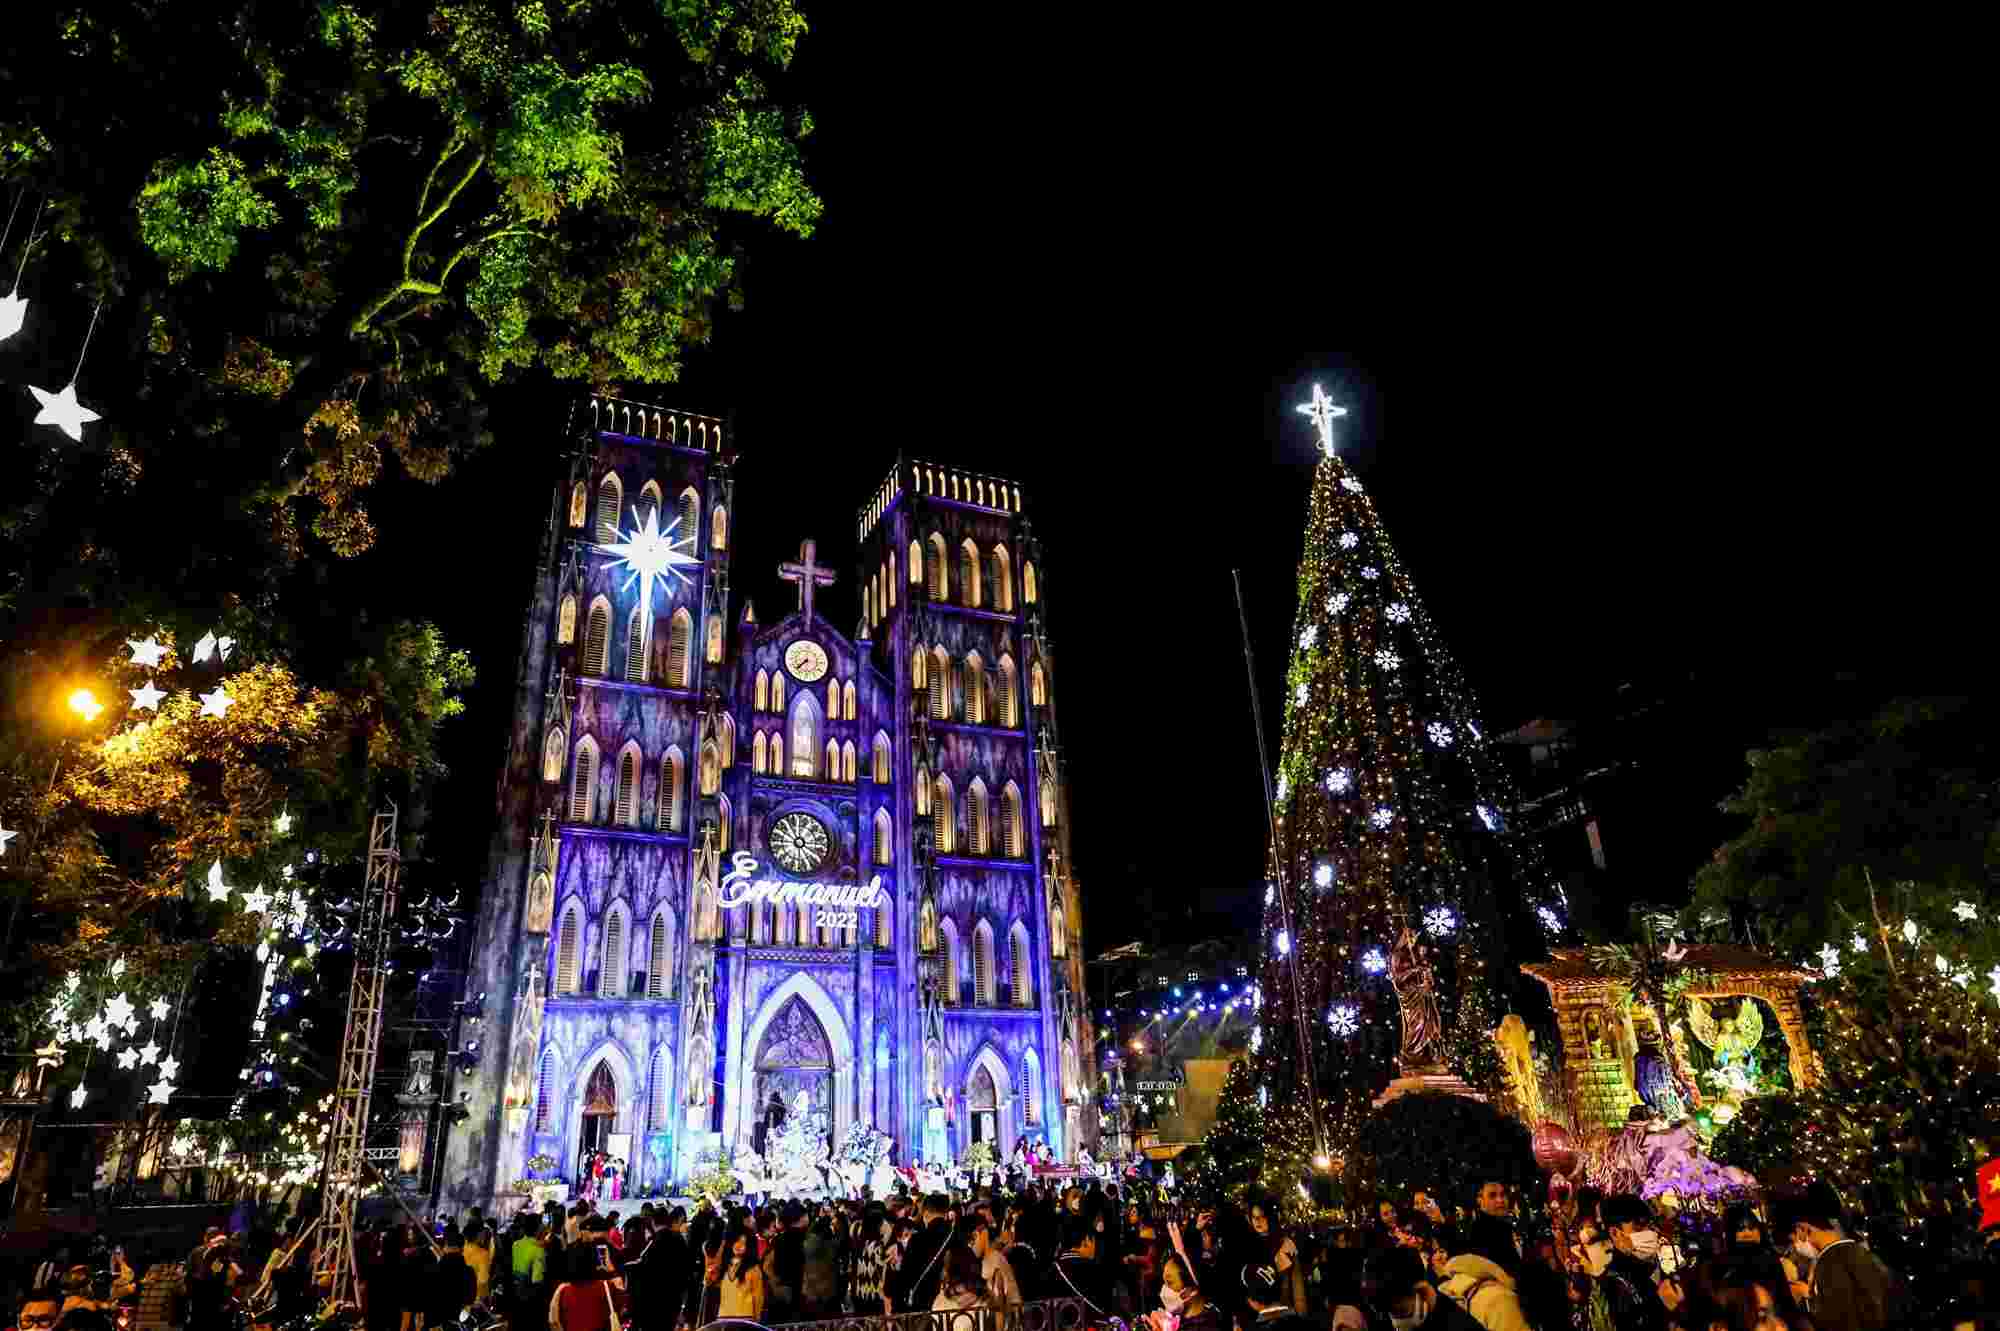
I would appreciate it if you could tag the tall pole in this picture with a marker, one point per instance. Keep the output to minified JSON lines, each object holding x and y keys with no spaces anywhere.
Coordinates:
{"x":346,"y":1159}
{"x":1278,"y":873}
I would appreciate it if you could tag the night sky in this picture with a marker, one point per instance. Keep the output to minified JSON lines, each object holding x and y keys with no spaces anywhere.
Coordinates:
{"x":1622,"y":447}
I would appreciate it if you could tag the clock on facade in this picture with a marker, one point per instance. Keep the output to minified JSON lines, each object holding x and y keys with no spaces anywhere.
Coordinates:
{"x":799,"y":842}
{"x":806,"y":660}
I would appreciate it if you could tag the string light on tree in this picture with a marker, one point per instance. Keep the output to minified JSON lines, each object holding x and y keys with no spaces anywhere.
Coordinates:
{"x":1909,"y":931}
{"x":1349,"y":484}
{"x":1551,"y":921}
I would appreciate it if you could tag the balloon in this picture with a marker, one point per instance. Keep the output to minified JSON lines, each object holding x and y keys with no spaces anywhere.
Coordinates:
{"x":1554,"y":1151}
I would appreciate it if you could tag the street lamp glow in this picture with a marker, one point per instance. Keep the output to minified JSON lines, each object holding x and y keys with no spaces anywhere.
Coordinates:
{"x":84,"y":703}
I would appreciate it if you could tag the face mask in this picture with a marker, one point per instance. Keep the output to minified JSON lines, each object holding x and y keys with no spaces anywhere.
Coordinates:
{"x":1171,"y":1300}
{"x":1645,"y":1244}
{"x":1410,"y":1323}
{"x":1805,"y":1249}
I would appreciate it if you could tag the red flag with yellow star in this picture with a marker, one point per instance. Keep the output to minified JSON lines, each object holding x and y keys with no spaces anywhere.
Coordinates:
{"x":1989,"y":1193}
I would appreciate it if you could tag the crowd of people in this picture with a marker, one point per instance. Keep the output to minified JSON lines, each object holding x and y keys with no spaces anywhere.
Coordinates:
{"x":1596,"y":1263}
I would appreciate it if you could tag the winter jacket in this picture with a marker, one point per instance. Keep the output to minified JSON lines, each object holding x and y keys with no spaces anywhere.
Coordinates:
{"x":1483,"y":1288}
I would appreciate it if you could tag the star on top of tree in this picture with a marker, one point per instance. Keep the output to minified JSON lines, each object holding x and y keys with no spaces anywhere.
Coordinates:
{"x":63,"y":411}
{"x":147,"y":699}
{"x":1323,"y":413}
{"x":217,"y":703}
{"x":217,"y":889}
{"x":1966,"y":911}
{"x":147,"y":653}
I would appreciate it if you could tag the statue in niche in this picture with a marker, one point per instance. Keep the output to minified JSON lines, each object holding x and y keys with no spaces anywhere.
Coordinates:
{"x":698,"y":1071}
{"x":927,"y":925}
{"x":541,"y":902}
{"x":707,"y":898}
{"x":933,"y":1073}
{"x":701,"y":996}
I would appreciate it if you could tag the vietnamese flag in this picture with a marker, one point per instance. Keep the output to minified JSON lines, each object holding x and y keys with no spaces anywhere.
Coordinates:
{"x":1989,"y":1193}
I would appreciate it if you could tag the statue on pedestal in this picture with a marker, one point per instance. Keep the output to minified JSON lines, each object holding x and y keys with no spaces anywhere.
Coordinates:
{"x":1416,"y":993}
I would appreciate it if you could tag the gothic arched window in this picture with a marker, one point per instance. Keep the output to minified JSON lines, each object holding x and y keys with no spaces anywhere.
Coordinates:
{"x":728,"y":740}
{"x":566,"y":622}
{"x":778,"y":692}
{"x":635,"y":648}
{"x":937,"y":560}
{"x":975,"y":817}
{"x":568,"y":943}
{"x":660,"y":1084}
{"x":610,"y":501}
{"x":718,"y":529}
{"x":923,"y":786}
{"x":884,"y":922}
{"x":583,"y":782}
{"x":679,"y":636}
{"x":919,"y":666}
{"x":1029,"y":592}
{"x":1048,"y":802}
{"x":648,"y":505}
{"x":1003,"y":580}
{"x":982,"y":964}
{"x":628,"y":786}
{"x":554,"y":750}
{"x":714,"y":636}
{"x":669,"y":800}
{"x":1031,"y":1089}
{"x":611,"y":967}
{"x":975,"y":690}
{"x":948,"y":934}
{"x":890,"y":582}
{"x":831,"y":772}
{"x":545,"y":1093}
{"x":847,"y":700}
{"x":940,"y":684}
{"x":884,"y":837}
{"x":1017,"y":964}
{"x":847,"y":761}
{"x":758,"y":755}
{"x":968,"y":573}
{"x":579,"y":504}
{"x":1010,"y":705}
{"x":659,"y":956}
{"x":597,"y":639}
{"x":711,"y":768}
{"x":1038,"y":689}
{"x":916,"y":564}
{"x":728,"y":824}
{"x":762,"y":697}
{"x":1012,"y":841}
{"x":690,"y":525}
{"x":777,"y":753}
{"x":882,"y":756}
{"x":944,"y":819}
{"x":805,"y":735}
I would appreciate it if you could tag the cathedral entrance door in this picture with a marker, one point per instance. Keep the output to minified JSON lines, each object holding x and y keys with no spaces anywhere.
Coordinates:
{"x":600,"y":1110}
{"x":983,"y":1099}
{"x":794,"y":1058}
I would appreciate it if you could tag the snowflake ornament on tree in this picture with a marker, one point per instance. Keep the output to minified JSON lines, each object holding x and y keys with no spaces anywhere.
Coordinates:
{"x":1349,"y":484}
{"x":1338,"y":781}
{"x":1829,"y":960}
{"x":1299,"y":695}
{"x":1336,"y":603}
{"x":1371,"y":573}
{"x":1387,"y":659}
{"x":1344,"y":1019}
{"x":1310,"y":638}
{"x":1858,"y":943}
{"x":1373,"y":961}
{"x":1487,"y":817}
{"x":1323,"y":877}
{"x":1439,"y":921}
{"x":1348,"y":540}
{"x":1440,"y":734}
{"x":1550,"y":920}
{"x":1383,"y":816}
{"x":1398,"y":613}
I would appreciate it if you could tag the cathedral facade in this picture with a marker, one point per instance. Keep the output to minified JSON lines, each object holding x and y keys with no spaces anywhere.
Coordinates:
{"x":740,"y":862}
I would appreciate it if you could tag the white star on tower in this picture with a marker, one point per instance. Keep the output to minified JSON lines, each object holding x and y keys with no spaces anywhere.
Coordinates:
{"x":1323,"y":414}
{"x":216,"y":703}
{"x":147,"y":653}
{"x":63,"y":411}
{"x":653,"y":556}
{"x":147,"y":699}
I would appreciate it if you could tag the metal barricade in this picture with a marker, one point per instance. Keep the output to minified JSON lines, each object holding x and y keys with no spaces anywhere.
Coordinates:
{"x":1040,"y":1315}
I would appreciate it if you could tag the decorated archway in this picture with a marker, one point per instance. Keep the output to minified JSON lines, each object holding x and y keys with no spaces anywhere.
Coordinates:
{"x":598,"y":1111}
{"x":989,"y":1102}
{"x":840,"y":1051}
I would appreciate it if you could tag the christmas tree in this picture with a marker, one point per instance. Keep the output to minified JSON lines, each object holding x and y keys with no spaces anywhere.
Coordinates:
{"x":1389,"y":819}
{"x":1233,"y":1151}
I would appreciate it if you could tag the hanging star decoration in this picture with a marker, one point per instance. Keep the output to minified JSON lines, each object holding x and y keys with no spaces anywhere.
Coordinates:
{"x":100,"y":1031}
{"x":1323,"y":413}
{"x":257,"y":902}
{"x":169,"y":1069}
{"x":217,"y":703}
{"x":653,"y":556}
{"x":63,"y":411}
{"x":120,"y":1012}
{"x":150,"y":1053}
{"x":1858,"y":943}
{"x":1829,"y":960}
{"x":159,"y":1009}
{"x":1966,"y":911}
{"x":1994,"y":976}
{"x":13,"y":311}
{"x":1909,"y":931}
{"x":5,"y":837}
{"x":147,"y":699}
{"x":217,"y":889}
{"x":159,"y":1091}
{"x":128,"y":1058}
{"x":117,"y":968}
{"x":204,"y":648}
{"x":147,"y":653}
{"x":76,"y":1097}
{"x":284,"y":824}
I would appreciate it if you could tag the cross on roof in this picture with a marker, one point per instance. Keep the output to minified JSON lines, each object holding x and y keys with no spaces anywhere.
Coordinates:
{"x":807,"y":574}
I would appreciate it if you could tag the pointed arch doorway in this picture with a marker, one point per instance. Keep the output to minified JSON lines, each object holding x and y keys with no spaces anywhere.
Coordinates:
{"x":600,"y":1109}
{"x":794,"y":1058}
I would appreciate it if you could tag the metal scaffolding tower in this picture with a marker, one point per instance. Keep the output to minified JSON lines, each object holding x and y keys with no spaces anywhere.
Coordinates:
{"x":346,"y":1151}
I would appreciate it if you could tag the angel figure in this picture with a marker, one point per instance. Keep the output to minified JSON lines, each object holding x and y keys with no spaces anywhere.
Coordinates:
{"x":1732,"y":1040}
